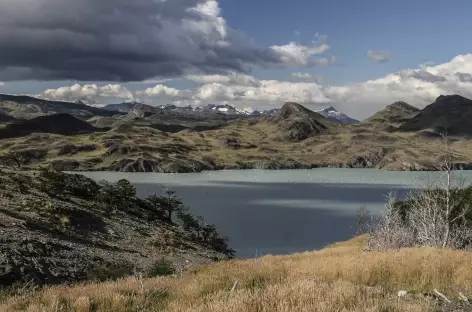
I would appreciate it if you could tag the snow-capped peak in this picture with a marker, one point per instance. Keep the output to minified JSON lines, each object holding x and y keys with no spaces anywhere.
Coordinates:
{"x":224,"y":108}
{"x":336,"y":116}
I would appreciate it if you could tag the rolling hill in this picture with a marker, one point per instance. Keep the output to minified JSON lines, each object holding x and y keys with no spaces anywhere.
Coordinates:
{"x":393,"y":116}
{"x":27,"y":107}
{"x":62,"y":124}
{"x":293,"y":137}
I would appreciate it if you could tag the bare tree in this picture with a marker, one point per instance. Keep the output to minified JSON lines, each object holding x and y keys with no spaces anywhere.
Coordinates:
{"x":434,"y":215}
{"x":389,"y":230}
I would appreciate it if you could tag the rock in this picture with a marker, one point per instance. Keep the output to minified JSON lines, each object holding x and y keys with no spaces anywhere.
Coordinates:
{"x":65,"y":165}
{"x":369,"y":160}
{"x":402,"y":293}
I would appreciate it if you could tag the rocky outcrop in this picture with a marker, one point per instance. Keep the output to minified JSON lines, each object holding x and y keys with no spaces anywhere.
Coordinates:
{"x":370,"y":159}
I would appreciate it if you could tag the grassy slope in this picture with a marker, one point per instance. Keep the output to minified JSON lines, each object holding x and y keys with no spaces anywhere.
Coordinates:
{"x":342,"y":277}
{"x":258,"y":144}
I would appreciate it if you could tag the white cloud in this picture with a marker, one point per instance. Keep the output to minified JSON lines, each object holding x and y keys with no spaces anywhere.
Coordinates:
{"x":418,"y":87}
{"x":308,"y":77}
{"x":160,"y":90}
{"x":218,"y":92}
{"x":378,"y":56}
{"x":296,"y":54}
{"x":1,"y":84}
{"x":426,"y":63}
{"x":88,"y":93}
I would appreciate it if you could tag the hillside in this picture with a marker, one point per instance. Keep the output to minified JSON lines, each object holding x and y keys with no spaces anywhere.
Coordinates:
{"x":125,"y":107}
{"x":59,"y":228}
{"x":296,"y":123}
{"x":4,"y":117}
{"x":452,"y":113}
{"x":63,"y":124}
{"x":342,"y":277}
{"x":27,"y":107}
{"x":294,"y":137}
{"x":393,"y":116}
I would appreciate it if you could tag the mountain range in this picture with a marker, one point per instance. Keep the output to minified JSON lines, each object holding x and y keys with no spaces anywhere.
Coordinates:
{"x":138,"y":137}
{"x":27,"y":107}
{"x":331,"y":113}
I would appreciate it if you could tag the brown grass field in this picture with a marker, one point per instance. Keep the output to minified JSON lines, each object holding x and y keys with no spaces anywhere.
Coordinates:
{"x":342,"y":277}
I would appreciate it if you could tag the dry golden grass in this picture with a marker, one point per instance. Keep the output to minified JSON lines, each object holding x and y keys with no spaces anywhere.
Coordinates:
{"x":342,"y":277}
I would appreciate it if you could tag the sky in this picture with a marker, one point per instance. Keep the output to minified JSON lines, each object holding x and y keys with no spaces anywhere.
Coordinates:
{"x":357,"y":56}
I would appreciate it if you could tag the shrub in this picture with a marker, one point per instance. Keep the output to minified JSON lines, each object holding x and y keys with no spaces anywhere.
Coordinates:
{"x":161,"y":267}
{"x":58,"y":184}
{"x":166,"y":206}
{"x":117,"y":197}
{"x":107,"y":272}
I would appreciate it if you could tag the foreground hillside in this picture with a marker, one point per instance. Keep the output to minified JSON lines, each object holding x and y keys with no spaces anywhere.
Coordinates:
{"x":58,"y":228}
{"x":343,"y":277}
{"x":400,"y":137}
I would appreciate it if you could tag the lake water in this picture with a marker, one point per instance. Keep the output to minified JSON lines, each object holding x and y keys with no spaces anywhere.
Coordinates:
{"x":284,"y":211}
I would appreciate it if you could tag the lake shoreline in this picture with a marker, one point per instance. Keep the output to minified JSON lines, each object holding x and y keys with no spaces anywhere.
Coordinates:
{"x":407,"y":167}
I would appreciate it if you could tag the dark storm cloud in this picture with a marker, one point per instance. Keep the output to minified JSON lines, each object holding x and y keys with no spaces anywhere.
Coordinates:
{"x":119,"y":40}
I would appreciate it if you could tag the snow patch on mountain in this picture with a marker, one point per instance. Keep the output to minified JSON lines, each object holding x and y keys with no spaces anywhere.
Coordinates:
{"x":336,"y":116}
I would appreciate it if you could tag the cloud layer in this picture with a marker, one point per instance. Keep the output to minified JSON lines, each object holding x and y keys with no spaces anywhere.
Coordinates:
{"x":378,"y":56}
{"x":123,"y":40}
{"x":308,"y":77}
{"x":416,"y":86}
{"x":87,"y":93}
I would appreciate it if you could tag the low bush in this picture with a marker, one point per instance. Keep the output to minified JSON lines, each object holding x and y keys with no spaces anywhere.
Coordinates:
{"x":161,"y":267}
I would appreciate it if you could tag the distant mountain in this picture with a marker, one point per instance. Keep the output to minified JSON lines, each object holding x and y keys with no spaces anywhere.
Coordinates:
{"x":176,"y":108}
{"x":124,"y":107}
{"x":296,"y":122}
{"x":393,"y":116}
{"x":63,"y":124}
{"x":268,"y":112}
{"x":452,"y":113}
{"x":27,"y":107}
{"x":205,"y":111}
{"x":222,"y":109}
{"x":337,"y":117}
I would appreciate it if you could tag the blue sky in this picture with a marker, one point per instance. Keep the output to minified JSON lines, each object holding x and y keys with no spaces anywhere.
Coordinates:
{"x":411,"y":33}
